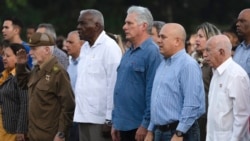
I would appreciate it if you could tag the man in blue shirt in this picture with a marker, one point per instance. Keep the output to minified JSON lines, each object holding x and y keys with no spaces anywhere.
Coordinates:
{"x":178,"y":97}
{"x":12,"y":28}
{"x":242,"y":53}
{"x":135,"y":74}
{"x":73,"y":46}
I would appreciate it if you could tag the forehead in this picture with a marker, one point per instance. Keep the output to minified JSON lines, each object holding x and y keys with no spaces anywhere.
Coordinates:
{"x":8,"y":50}
{"x":165,"y":30}
{"x":85,"y":17}
{"x":73,"y":36}
{"x":244,"y":14}
{"x":7,"y":23}
{"x":131,"y":17}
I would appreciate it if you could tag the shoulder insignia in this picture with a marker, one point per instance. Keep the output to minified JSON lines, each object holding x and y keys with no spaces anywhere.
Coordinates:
{"x":55,"y":69}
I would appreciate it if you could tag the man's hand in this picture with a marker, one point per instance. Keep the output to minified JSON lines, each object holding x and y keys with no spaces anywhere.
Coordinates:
{"x":141,"y":134}
{"x":149,"y":136}
{"x":56,"y":138}
{"x":20,"y":137}
{"x":21,"y":56}
{"x":115,"y":134}
{"x":176,"y":138}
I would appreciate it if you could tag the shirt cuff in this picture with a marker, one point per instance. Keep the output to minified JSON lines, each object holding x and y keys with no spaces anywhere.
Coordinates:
{"x":183,"y":127}
{"x":151,"y":126}
{"x":145,"y":123}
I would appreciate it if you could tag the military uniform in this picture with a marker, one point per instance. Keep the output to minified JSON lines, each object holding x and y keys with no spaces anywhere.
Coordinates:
{"x":51,"y":100}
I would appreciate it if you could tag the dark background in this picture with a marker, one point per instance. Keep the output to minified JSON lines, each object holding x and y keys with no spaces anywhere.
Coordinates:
{"x":63,"y":14}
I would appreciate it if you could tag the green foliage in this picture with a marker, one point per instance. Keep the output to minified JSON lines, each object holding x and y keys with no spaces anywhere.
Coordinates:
{"x":15,"y":4}
{"x":63,"y":14}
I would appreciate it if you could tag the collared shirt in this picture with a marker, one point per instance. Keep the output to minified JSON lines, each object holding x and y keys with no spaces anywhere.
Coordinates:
{"x":229,"y":108}
{"x":61,"y":57}
{"x":72,"y":70}
{"x":242,"y":57}
{"x":27,"y":49}
{"x":178,"y":92}
{"x":96,"y":76}
{"x":133,"y":86}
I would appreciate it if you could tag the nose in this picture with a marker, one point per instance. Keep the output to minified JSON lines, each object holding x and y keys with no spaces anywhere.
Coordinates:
{"x":124,"y":27}
{"x":204,"y":54}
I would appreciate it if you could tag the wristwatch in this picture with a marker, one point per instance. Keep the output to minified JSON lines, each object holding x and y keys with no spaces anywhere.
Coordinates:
{"x":179,"y":133}
{"x":60,"y":135}
{"x":108,"y":122}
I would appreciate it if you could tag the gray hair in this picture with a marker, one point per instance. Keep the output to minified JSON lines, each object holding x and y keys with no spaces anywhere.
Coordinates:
{"x":209,"y":29}
{"x":158,"y":25}
{"x":51,"y":48}
{"x":97,"y":15}
{"x":49,"y":29}
{"x":143,"y":16}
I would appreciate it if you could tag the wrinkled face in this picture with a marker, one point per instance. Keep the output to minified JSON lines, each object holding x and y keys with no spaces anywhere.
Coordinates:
{"x":201,"y":40}
{"x":166,"y":42}
{"x":73,"y":45}
{"x":212,"y":55}
{"x":86,"y":26}
{"x":243,"y":24}
{"x":131,"y":28}
{"x":38,"y":54}
{"x":155,"y":35}
{"x":9,"y":30}
{"x":9,"y":58}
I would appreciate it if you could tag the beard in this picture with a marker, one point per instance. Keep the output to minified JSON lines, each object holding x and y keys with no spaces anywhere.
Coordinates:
{"x":34,"y":61}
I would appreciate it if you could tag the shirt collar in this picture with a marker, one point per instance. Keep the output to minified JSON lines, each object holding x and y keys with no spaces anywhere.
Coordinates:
{"x":175,"y":56}
{"x":223,"y":66}
{"x":99,"y":39}
{"x":143,"y":44}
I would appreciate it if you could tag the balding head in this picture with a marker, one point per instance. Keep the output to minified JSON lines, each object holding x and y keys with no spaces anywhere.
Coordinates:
{"x":218,"y":50}
{"x":172,"y":39}
{"x":243,"y":25}
{"x":73,"y":44}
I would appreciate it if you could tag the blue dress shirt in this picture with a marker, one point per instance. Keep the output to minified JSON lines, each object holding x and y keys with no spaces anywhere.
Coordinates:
{"x":242,"y":57}
{"x":72,"y":71}
{"x":178,"y":92}
{"x":27,"y":49}
{"x":133,"y":87}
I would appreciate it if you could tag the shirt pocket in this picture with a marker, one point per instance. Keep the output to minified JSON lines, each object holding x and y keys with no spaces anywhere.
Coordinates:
{"x":94,"y":66}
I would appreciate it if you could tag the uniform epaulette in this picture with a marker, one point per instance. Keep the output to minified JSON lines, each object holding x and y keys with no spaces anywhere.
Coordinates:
{"x":55,"y":68}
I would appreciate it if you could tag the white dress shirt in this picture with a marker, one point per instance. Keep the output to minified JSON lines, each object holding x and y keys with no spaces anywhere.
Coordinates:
{"x":96,"y":79}
{"x":229,"y":104}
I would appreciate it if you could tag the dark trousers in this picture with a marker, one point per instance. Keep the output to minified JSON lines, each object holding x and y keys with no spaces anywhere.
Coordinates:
{"x":203,"y":128}
{"x":74,"y":132}
{"x":193,"y":134}
{"x":128,"y":135}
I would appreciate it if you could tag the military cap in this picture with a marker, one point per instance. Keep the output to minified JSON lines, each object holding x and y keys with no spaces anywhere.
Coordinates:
{"x":41,"y":39}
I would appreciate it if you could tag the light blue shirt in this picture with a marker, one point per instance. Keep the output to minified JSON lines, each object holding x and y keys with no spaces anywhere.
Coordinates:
{"x":242,"y":57}
{"x":72,"y":70}
{"x":178,"y":92}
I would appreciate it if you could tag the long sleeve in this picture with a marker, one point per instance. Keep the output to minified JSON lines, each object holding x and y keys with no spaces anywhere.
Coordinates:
{"x":239,"y":92}
{"x":22,"y":125}
{"x":66,"y":99}
{"x":22,"y":74}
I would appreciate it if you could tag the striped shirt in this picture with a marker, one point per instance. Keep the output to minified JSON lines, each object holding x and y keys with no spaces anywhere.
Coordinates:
{"x":178,"y":92}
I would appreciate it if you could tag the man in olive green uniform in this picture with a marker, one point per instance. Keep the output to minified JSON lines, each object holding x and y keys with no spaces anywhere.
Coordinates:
{"x":51,"y":100}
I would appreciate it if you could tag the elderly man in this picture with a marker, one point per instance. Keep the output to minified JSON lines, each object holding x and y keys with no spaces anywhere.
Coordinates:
{"x":229,"y":96}
{"x":51,"y":99}
{"x":96,"y":76}
{"x":178,"y":97}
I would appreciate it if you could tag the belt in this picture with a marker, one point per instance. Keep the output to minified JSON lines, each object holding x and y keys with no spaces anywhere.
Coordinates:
{"x":167,"y":127}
